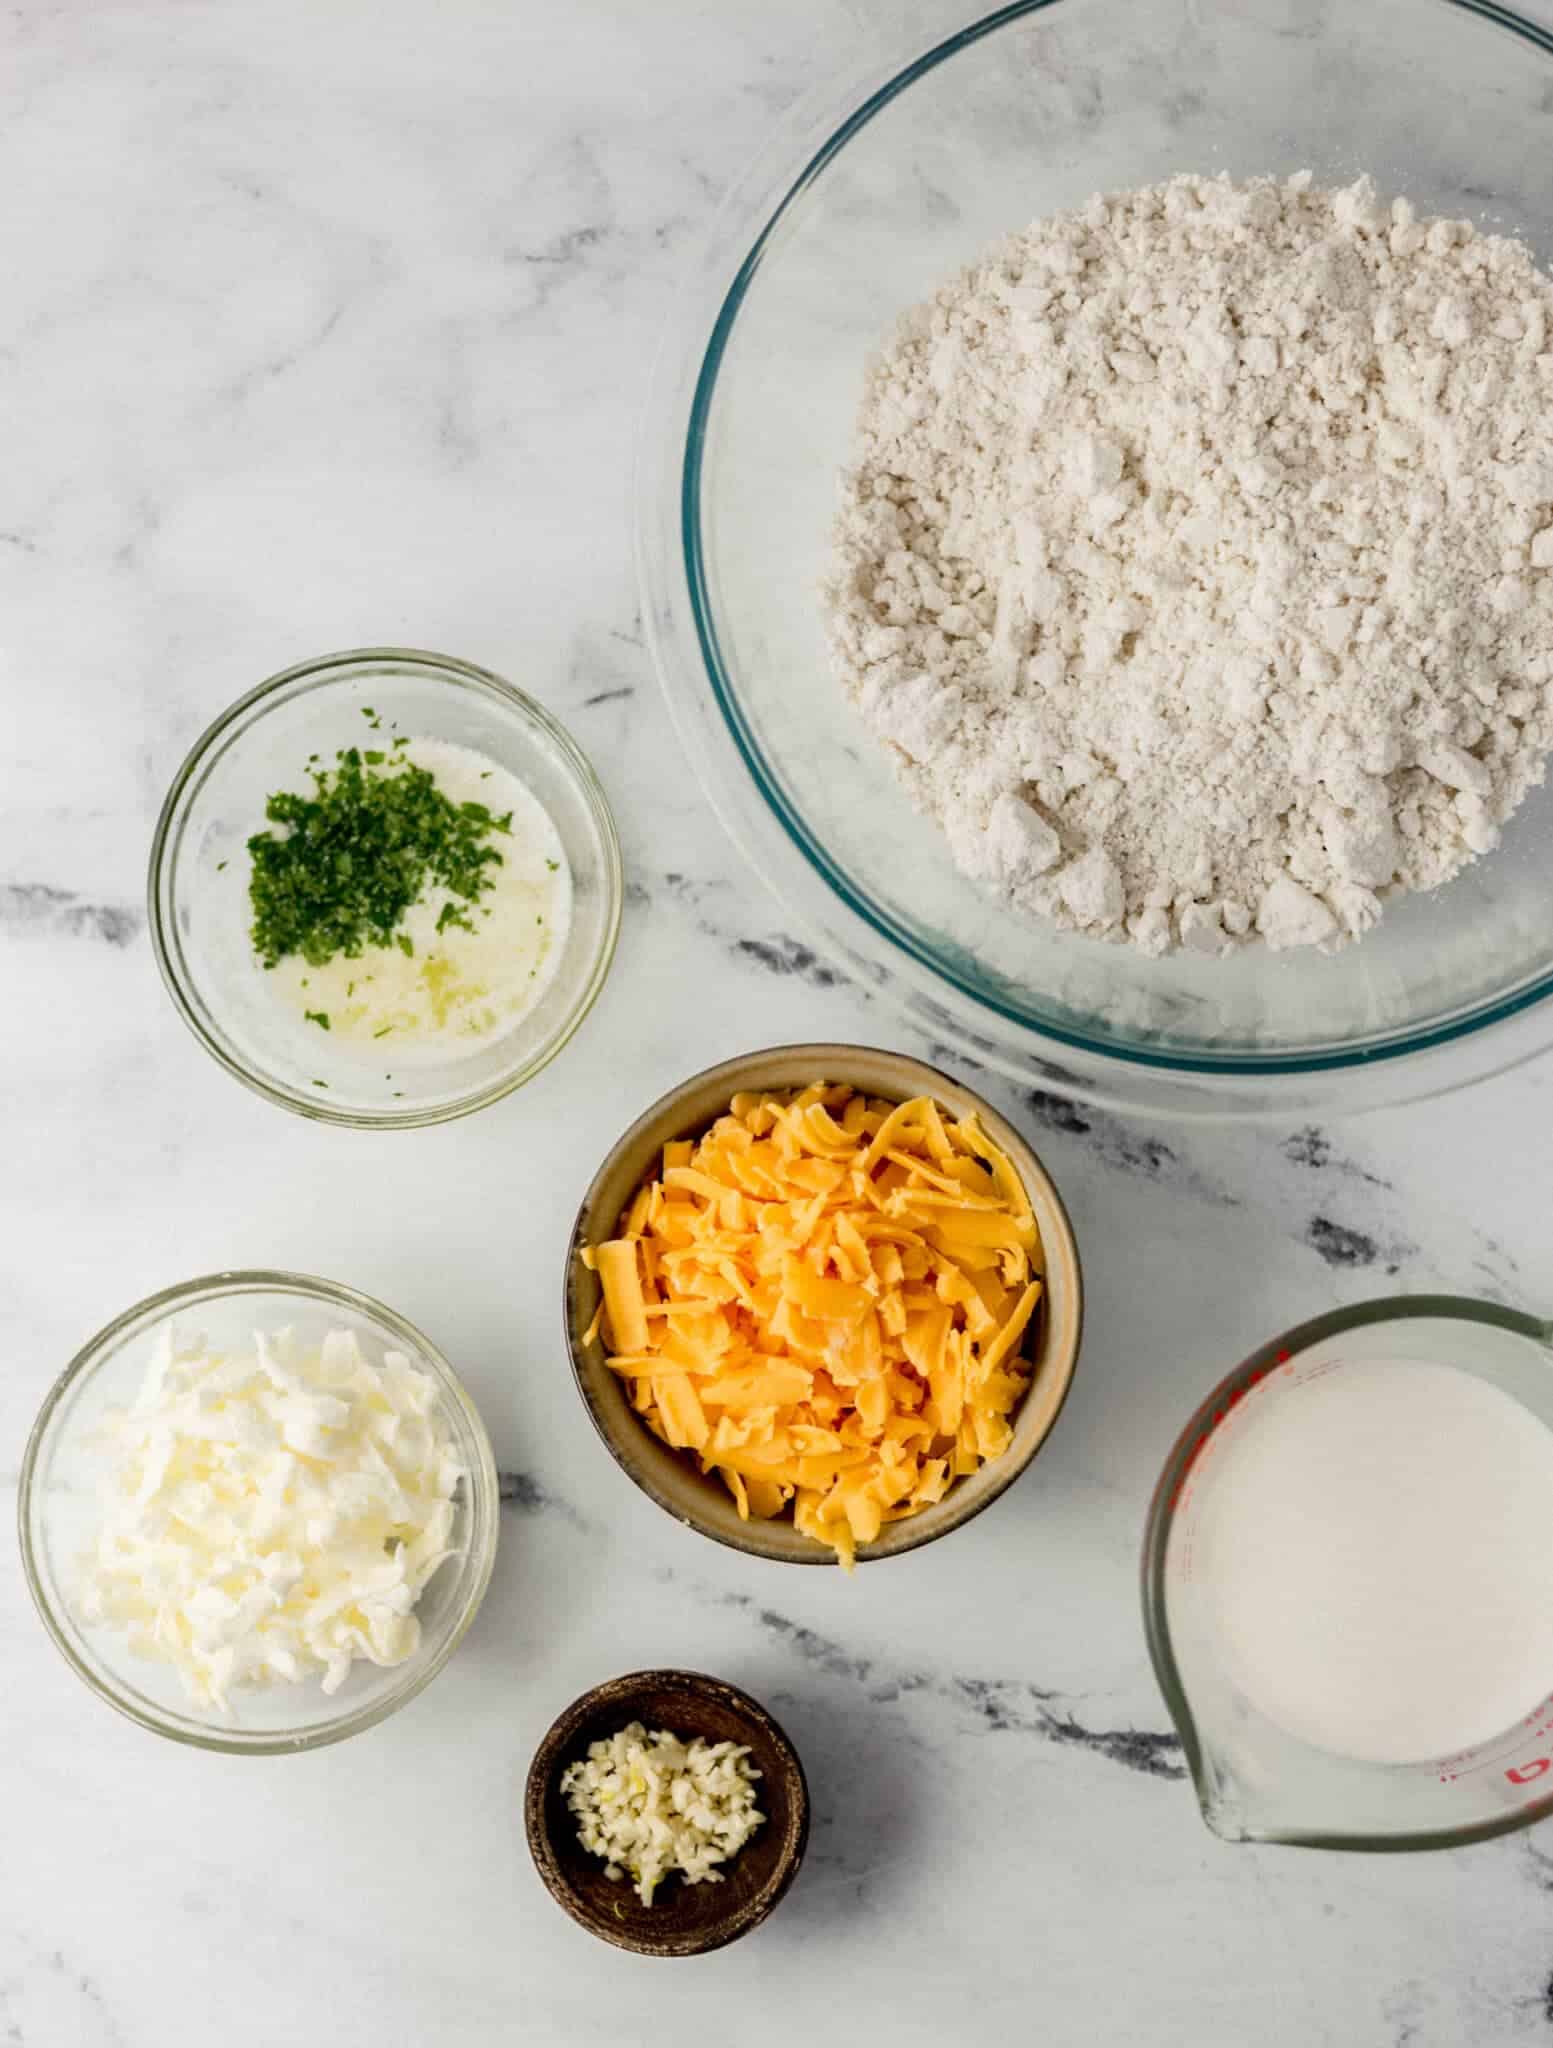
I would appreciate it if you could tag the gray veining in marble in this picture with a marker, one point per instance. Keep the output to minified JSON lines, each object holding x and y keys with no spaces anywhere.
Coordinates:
{"x":329,"y":325}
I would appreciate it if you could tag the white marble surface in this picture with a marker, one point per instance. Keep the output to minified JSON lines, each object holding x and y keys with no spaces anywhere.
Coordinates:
{"x":327,"y":325}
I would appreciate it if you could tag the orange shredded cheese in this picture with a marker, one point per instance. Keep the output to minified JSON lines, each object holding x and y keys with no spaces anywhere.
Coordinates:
{"x":825,"y":1301}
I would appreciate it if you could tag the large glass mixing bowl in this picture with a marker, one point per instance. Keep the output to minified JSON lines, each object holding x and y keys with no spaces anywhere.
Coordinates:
{"x":859,"y":209}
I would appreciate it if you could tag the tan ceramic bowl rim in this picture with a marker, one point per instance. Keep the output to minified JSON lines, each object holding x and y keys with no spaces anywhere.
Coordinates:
{"x":837,"y":1063}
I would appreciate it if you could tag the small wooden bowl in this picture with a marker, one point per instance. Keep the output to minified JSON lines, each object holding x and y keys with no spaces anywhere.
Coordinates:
{"x":684,"y":1919}
{"x":673,"y":1479}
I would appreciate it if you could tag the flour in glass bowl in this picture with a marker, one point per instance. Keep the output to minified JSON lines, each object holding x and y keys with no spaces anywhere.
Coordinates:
{"x":1196,"y":559}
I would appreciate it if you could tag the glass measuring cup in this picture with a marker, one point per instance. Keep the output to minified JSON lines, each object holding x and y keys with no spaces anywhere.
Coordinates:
{"x":1255,"y":1781}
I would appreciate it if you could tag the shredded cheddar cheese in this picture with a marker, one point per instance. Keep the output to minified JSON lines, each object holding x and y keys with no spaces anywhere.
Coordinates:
{"x":824,"y":1300}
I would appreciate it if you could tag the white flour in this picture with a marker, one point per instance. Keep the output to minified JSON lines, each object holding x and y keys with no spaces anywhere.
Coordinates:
{"x":1197,"y":560}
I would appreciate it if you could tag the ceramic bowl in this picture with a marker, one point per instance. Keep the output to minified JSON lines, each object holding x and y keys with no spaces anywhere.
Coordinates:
{"x":673,"y":1480}
{"x":683,"y":1919}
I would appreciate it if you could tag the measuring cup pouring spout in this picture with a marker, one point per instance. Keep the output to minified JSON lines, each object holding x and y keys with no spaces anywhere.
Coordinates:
{"x":1262,"y":1778}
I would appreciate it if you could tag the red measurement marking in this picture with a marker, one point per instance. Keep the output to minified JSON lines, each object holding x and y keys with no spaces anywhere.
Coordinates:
{"x":1205,"y":1435}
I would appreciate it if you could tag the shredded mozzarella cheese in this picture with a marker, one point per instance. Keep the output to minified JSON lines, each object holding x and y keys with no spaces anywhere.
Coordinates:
{"x":271,"y":1513}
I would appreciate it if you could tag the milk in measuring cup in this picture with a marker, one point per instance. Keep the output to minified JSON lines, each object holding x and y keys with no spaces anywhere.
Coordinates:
{"x":1375,"y":1553}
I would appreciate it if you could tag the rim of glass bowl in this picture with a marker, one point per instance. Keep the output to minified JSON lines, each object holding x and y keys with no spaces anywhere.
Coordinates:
{"x":1487,"y":1038}
{"x":484,"y":1515}
{"x":226,"y":731}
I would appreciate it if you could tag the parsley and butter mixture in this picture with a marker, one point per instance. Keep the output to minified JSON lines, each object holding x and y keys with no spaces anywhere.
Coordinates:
{"x":652,"y":1804}
{"x":417,"y":900}
{"x":826,"y":1300}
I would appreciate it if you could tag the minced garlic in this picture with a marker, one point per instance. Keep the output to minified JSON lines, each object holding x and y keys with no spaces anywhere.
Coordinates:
{"x":651,"y":1804}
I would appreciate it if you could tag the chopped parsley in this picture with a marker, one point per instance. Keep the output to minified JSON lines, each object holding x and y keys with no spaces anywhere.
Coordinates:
{"x":220,"y":864}
{"x":357,"y":853}
{"x":554,"y":866}
{"x":384,"y":1032}
{"x":318,"y":1017}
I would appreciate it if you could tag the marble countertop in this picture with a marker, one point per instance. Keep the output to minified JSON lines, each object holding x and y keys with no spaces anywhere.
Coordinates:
{"x":327,"y":326}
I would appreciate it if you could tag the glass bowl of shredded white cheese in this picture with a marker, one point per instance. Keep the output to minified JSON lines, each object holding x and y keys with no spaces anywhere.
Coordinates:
{"x":257,"y":1512}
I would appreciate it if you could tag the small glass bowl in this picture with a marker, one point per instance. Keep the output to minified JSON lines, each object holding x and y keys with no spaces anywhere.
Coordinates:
{"x":57,"y":1515}
{"x":198,"y":882}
